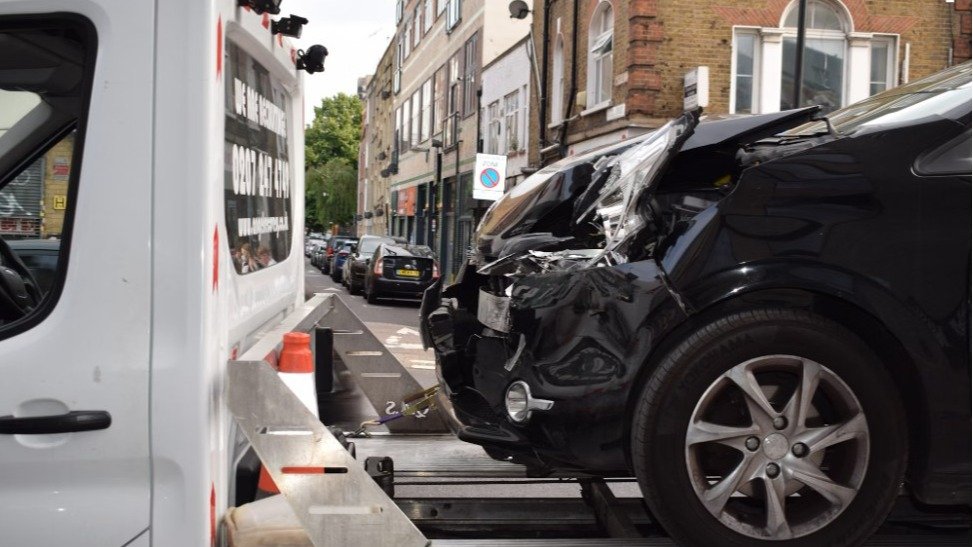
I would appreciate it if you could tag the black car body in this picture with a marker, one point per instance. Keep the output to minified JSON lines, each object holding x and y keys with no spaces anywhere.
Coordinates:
{"x":359,"y":260}
{"x":401,"y":271}
{"x":599,"y":283}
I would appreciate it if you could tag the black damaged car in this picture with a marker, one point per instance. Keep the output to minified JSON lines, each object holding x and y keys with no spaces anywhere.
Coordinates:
{"x":765,"y":319}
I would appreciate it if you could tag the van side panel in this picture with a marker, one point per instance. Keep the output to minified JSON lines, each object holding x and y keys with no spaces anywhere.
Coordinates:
{"x":204,"y":309}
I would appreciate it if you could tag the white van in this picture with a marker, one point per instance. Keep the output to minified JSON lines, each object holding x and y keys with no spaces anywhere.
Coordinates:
{"x":161,"y":144}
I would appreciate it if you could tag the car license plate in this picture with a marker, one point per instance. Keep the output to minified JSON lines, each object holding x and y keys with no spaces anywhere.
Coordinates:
{"x":407,"y":273}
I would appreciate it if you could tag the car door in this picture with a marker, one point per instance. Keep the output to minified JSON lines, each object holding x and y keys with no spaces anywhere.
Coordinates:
{"x":74,"y":438}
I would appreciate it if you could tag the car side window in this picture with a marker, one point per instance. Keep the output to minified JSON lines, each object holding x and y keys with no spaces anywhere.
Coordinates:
{"x":952,"y":158}
{"x":46,"y":66}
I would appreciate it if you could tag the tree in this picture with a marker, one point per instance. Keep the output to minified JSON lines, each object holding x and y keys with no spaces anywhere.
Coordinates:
{"x":331,"y":193}
{"x":331,"y":144}
{"x":335,"y":131}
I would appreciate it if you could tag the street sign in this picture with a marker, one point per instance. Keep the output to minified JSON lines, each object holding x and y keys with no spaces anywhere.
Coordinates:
{"x":695,"y":91}
{"x":489,"y":176}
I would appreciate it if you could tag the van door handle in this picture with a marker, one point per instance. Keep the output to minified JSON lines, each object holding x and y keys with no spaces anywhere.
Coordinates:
{"x":78,"y":420}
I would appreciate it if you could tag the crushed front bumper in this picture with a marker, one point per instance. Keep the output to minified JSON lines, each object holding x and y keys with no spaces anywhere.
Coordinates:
{"x":576,"y":338}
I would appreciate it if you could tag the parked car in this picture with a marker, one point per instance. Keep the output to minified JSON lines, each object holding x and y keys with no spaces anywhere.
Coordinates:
{"x":338,"y":260}
{"x":318,"y":255}
{"x":310,"y":243}
{"x":400,"y":271}
{"x":40,"y":256}
{"x":358,"y":261}
{"x":332,"y":244}
{"x":765,"y":319}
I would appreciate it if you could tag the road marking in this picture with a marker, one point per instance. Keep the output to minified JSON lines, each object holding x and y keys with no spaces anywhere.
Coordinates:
{"x":381,"y":375}
{"x":407,"y":330}
{"x":423,"y":367}
{"x":364,"y":353}
{"x":423,"y":361}
{"x":409,"y":346}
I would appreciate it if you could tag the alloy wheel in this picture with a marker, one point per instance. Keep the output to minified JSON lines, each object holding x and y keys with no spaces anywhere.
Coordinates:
{"x":777,"y":447}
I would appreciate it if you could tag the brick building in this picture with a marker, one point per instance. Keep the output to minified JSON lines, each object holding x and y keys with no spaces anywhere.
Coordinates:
{"x":615,"y":69}
{"x":438,"y":52}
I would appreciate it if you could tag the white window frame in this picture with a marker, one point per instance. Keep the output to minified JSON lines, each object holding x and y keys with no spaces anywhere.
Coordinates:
{"x":415,"y":112}
{"x":441,"y":7}
{"x":511,"y":116}
{"x":425,"y":121}
{"x":769,"y":62}
{"x":416,"y":27}
{"x":599,"y":98}
{"x":891,"y":76}
{"x":755,"y":95}
{"x":494,"y":125}
{"x":454,"y":9}
{"x":557,"y":93}
{"x":428,"y":17}
{"x":399,"y":11}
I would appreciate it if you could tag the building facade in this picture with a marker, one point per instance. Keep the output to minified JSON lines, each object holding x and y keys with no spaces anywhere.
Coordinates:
{"x":505,"y":108}
{"x":376,"y":148}
{"x":613,"y":69}
{"x":438,"y":54}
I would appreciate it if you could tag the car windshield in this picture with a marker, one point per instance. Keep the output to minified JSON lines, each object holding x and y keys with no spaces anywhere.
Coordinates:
{"x":934,"y":95}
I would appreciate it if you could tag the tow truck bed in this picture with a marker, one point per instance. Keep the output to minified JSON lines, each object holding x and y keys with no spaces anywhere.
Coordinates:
{"x":444,"y":492}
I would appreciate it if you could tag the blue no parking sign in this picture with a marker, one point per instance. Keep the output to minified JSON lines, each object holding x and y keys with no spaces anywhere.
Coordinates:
{"x":488,"y":176}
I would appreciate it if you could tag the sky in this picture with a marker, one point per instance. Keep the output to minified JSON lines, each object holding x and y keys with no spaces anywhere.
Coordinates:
{"x":356,"y":34}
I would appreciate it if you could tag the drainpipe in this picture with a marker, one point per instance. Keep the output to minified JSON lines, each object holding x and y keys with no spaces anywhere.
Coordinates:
{"x":563,"y":150}
{"x":542,"y":92}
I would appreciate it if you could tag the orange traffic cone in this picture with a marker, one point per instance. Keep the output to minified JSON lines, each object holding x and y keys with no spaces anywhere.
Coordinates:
{"x":295,"y":367}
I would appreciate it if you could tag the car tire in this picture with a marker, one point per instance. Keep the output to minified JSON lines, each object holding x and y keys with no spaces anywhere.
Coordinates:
{"x":352,"y":286}
{"x":676,"y":454}
{"x":370,"y":296}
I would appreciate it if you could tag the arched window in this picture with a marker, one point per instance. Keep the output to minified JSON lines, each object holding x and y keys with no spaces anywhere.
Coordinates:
{"x":825,"y":52}
{"x":842,"y":64}
{"x":557,"y":94}
{"x":600,"y":38}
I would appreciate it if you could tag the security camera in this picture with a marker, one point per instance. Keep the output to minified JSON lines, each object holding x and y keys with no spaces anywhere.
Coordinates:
{"x":289,"y":26}
{"x":261,"y":6}
{"x":519,"y":9}
{"x":312,"y":60}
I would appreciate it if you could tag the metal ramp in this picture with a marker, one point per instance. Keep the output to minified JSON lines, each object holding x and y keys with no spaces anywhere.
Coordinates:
{"x":332,"y":496}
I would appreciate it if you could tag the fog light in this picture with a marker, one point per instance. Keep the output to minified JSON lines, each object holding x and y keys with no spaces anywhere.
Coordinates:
{"x":517,"y":396}
{"x":520,"y":403}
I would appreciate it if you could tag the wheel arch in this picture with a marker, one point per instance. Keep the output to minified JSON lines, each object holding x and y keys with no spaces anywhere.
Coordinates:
{"x":903,"y":369}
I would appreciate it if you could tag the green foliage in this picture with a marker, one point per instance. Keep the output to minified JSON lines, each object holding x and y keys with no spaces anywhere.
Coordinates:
{"x":335,"y":131}
{"x":331,"y":145}
{"x":331,"y":193}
